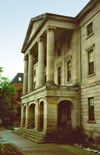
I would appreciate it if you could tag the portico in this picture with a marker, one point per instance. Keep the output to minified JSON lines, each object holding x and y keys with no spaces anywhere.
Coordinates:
{"x":40,"y":105}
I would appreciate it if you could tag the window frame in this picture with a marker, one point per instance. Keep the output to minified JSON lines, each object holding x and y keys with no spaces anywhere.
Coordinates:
{"x":34,"y":72}
{"x":69,"y":43}
{"x":67,"y":59}
{"x":69,"y":77}
{"x":90,"y":63}
{"x":59,"y":76}
{"x":59,"y":65}
{"x":59,"y":52}
{"x":19,"y":78}
{"x":91,"y":110}
{"x":89,"y":49}
{"x":90,"y":28}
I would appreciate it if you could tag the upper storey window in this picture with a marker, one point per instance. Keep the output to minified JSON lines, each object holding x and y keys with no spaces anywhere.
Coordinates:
{"x":91,"y":108}
{"x":69,"y":71}
{"x":59,"y":51}
{"x":19,"y":79}
{"x":34,"y":72}
{"x":91,"y":62}
{"x":90,"y":29}
{"x":59,"y":76}
{"x":69,"y":43}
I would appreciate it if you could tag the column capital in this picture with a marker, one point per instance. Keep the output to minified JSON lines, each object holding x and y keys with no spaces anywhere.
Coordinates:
{"x":50,"y":28}
{"x":25,"y":57}
{"x":31,"y":52}
{"x":40,"y":39}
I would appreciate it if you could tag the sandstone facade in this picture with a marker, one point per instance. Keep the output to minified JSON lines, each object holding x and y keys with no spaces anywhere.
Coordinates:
{"x":62,"y":72}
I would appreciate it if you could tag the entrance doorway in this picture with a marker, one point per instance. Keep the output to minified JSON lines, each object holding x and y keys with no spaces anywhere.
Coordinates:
{"x":64,"y":116}
{"x":32,"y":116}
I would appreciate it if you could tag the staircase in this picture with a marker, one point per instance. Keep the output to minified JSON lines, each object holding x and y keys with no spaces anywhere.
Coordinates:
{"x":37,"y":137}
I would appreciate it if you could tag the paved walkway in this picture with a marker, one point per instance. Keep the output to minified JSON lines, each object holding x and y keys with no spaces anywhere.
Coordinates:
{"x":31,"y":148}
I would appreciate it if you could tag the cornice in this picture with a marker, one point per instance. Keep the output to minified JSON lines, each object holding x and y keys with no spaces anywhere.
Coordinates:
{"x":87,"y":9}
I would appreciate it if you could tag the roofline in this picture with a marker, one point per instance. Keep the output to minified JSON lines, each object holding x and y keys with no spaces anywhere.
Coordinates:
{"x":86,"y":9}
{"x":45,"y":16}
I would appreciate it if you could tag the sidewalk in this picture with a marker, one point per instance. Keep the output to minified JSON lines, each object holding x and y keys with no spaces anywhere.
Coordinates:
{"x":31,"y":148}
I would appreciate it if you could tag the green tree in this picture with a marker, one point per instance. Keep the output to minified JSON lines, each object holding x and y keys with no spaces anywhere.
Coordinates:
{"x":7,"y":92}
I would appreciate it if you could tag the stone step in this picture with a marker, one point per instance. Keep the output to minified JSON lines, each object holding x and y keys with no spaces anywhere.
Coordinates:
{"x":28,"y":134}
{"x":29,"y":137}
{"x":36,"y":136}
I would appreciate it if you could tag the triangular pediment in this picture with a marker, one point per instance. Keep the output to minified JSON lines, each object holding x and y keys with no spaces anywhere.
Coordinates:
{"x":33,"y":27}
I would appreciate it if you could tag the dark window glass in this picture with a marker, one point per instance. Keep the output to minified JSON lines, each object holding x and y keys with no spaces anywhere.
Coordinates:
{"x":68,"y":43}
{"x":91,"y":108}
{"x":91,"y":62}
{"x":89,"y":28}
{"x":69,"y":71}
{"x":34,"y":72}
{"x":59,"y":52}
{"x":59,"y":76}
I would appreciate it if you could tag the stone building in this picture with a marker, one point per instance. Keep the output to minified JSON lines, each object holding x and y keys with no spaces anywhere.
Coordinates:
{"x":61,"y":88}
{"x":17,"y":81}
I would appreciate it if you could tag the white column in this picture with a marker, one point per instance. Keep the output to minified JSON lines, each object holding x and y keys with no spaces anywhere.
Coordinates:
{"x":41,"y":62}
{"x":22,"y":115}
{"x":25,"y":82}
{"x":27,"y":115}
{"x":30,"y":72}
{"x":50,"y":54}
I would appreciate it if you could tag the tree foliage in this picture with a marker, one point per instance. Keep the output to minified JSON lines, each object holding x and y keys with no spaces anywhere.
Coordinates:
{"x":7,"y":92}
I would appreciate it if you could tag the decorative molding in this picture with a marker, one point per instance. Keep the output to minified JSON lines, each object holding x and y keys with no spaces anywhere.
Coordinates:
{"x":59,"y":64}
{"x":31,"y":52}
{"x":41,"y":39}
{"x":25,"y":57}
{"x":49,"y":27}
{"x":68,"y":58}
{"x":90,"y":47}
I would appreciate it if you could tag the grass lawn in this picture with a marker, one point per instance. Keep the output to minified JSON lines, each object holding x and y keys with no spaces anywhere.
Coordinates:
{"x":76,"y":150}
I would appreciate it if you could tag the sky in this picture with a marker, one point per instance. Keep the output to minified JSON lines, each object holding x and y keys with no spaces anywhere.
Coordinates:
{"x":15,"y":16}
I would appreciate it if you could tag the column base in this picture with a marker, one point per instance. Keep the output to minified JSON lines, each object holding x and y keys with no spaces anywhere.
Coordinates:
{"x":50,"y":83}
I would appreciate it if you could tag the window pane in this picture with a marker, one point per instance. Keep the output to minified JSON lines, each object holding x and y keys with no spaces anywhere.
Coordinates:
{"x":91,"y":62}
{"x":59,"y":52}
{"x":59,"y":76}
{"x":91,"y":108}
{"x":19,"y":79}
{"x":69,"y":70}
{"x":68,"y":43}
{"x":89,"y":29}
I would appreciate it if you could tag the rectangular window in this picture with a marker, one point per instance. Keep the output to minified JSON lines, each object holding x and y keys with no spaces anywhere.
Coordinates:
{"x":91,"y":108}
{"x":34,"y":85}
{"x":69,"y":43}
{"x":19,"y":79}
{"x":89,"y":29}
{"x":69,"y":71}
{"x":59,"y":76}
{"x":59,"y":52}
{"x":91,"y":62}
{"x":34,"y":72}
